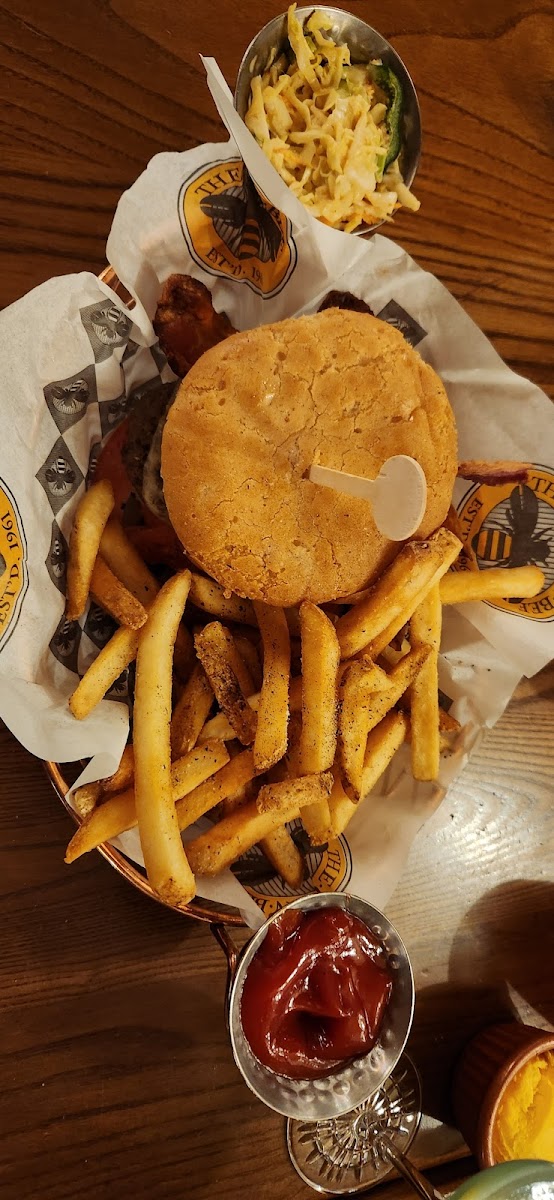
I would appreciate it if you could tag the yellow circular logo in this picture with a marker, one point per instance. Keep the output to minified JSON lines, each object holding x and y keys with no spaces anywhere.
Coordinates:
{"x":232,"y":230}
{"x":328,"y":869}
{"x":513,"y":526}
{"x":14,"y":576}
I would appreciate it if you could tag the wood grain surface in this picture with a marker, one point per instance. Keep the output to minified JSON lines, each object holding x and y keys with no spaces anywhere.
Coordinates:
{"x":116,"y":1077}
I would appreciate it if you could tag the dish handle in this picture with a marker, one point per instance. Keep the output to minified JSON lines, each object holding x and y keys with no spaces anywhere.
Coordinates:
{"x":225,"y":941}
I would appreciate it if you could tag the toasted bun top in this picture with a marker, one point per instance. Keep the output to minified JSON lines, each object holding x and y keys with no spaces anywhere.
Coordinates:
{"x":340,"y":388}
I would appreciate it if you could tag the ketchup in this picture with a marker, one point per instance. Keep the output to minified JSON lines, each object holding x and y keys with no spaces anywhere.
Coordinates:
{"x":315,"y":993}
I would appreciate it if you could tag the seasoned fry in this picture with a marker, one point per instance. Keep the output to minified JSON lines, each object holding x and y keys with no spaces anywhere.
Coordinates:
{"x":359,"y":682}
{"x":320,"y":664}
{"x":284,"y":856}
{"x":164,"y":857}
{"x":118,"y":812}
{"x":217,"y":727}
{"x":125,"y":562}
{"x":341,"y":807}
{"x":377,"y":619}
{"x":309,"y":789}
{"x":273,"y":710}
{"x":123,"y":777}
{"x":425,"y":630}
{"x":85,"y":798}
{"x":448,"y":723}
{"x":234,"y":835}
{"x":496,"y":583}
{"x":229,"y":678}
{"x":250,"y":657}
{"x":221,"y":786}
{"x":211,"y":598}
{"x":190,"y":712}
{"x":113,"y":596}
{"x":92,"y":514}
{"x":103,"y":672}
{"x":382,"y":744}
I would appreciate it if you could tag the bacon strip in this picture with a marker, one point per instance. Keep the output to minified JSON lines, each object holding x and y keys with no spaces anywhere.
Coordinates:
{"x":493,"y":473}
{"x":186,"y":322}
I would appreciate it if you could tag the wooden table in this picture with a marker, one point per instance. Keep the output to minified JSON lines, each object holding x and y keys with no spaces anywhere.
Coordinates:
{"x":116,"y":1078}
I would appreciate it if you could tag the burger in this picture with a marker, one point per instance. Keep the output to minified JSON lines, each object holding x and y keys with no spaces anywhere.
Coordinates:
{"x":220,"y":461}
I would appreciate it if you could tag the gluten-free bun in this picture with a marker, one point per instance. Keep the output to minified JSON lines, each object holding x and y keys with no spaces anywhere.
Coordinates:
{"x":340,"y":388}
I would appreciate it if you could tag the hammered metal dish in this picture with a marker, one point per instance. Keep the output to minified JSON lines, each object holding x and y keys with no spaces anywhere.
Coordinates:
{"x":365,"y":44}
{"x":343,"y":1090}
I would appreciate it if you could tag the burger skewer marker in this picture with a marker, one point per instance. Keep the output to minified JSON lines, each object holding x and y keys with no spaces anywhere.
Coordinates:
{"x":398,"y":496}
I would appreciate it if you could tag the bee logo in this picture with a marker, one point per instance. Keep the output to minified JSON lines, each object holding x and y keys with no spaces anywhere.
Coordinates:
{"x":71,"y":398}
{"x":60,"y":477}
{"x":519,"y":545}
{"x":232,"y":230}
{"x":110,"y":325}
{"x":509,"y":526}
{"x":328,"y":869}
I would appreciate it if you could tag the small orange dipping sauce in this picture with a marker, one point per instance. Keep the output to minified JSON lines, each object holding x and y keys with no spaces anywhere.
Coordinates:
{"x":315,"y":993}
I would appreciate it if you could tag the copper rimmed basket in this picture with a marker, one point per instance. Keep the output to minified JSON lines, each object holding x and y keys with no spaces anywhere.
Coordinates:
{"x":199,"y":909}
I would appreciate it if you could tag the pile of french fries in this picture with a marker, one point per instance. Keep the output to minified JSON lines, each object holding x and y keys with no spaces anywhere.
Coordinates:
{"x":255,"y":715}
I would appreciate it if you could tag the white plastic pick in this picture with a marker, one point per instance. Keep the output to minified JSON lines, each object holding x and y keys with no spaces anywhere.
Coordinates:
{"x":398,"y":496}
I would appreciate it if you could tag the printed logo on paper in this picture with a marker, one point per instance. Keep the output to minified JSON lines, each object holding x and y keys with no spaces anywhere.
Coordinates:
{"x":328,"y":869}
{"x":14,"y":576}
{"x":513,"y":526}
{"x":231,"y":230}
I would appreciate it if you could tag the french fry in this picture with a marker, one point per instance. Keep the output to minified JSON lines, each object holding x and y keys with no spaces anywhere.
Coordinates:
{"x":316,"y":819}
{"x":221,"y":786}
{"x":123,"y":777}
{"x":249,"y":655}
{"x":234,"y":835}
{"x":118,"y":812}
{"x":284,"y":856}
{"x":448,"y":723}
{"x":320,"y":664}
{"x":495,"y":583}
{"x":308,"y":789}
{"x":273,"y":710}
{"x":377,"y":619}
{"x":103,"y":672}
{"x":125,"y":562}
{"x":92,"y":514}
{"x":165,"y":860}
{"x":382,"y":744}
{"x":113,"y":596}
{"x":229,"y":678}
{"x":341,"y":807}
{"x":230,"y":804}
{"x":360,"y":681}
{"x":211,"y":598}
{"x":217,"y":727}
{"x":85,"y":798}
{"x":425,"y":630}
{"x":191,"y":712}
